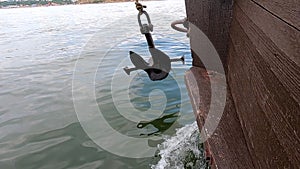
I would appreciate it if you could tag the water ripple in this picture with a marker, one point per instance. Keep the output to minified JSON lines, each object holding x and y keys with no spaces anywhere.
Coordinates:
{"x":39,"y":48}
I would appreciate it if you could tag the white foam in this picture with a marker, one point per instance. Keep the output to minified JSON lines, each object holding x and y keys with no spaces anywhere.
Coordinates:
{"x":182,"y":150}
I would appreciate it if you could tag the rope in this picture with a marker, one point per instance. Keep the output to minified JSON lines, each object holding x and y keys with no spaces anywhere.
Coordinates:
{"x":139,"y":6}
{"x":185,"y":24}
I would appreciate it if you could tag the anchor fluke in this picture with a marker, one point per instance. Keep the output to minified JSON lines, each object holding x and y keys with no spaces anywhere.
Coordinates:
{"x":127,"y":70}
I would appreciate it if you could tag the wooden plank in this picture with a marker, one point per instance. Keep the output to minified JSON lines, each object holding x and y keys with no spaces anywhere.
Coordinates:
{"x":264,"y":77}
{"x":262,"y":143}
{"x":274,"y":128}
{"x":286,"y":87}
{"x":227,"y":145}
{"x":287,"y":10}
{"x":213,"y":18}
{"x":284,"y":36}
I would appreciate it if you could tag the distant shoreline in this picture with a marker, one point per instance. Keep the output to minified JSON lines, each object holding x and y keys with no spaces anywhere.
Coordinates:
{"x":33,"y":3}
{"x":101,"y":1}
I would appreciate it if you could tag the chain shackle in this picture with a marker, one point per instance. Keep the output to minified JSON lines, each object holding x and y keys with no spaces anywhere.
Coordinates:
{"x":147,"y":27}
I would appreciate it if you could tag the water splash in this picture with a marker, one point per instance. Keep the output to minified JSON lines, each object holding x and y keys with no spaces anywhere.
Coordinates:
{"x":182,"y":151}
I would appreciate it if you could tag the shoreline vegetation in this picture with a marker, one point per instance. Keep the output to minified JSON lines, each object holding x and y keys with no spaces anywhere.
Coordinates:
{"x":40,"y":3}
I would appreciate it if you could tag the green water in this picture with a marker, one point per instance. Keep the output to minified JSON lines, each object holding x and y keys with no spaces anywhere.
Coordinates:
{"x":40,"y":47}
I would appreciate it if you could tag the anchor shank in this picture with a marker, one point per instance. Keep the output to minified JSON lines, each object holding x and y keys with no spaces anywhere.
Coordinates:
{"x":149,"y":40}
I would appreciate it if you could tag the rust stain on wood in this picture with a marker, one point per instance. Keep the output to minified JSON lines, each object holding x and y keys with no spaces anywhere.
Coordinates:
{"x":227,"y":145}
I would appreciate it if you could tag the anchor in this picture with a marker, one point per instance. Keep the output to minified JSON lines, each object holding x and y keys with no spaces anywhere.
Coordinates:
{"x":159,"y":64}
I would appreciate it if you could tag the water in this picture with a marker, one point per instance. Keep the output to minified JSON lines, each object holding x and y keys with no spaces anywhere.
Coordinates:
{"x":182,"y":150}
{"x":39,"y":51}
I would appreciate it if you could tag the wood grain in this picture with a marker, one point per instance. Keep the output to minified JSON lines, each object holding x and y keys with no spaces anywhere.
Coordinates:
{"x":213,"y":18}
{"x":263,"y":76}
{"x":286,"y":38}
{"x":288,"y":10}
{"x":227,"y":145}
{"x":274,"y":104}
{"x":275,"y":65}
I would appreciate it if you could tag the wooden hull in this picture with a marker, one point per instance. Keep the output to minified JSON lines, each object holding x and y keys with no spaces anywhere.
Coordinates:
{"x":258,"y":42}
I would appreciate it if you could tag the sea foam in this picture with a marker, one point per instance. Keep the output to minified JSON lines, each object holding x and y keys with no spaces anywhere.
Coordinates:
{"x":182,"y":151}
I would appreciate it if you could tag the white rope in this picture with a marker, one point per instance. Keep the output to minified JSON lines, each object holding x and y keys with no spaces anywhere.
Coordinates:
{"x":183,"y":22}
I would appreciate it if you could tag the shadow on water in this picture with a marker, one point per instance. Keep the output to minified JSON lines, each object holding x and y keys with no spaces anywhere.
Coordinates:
{"x":161,"y":123}
{"x":162,"y":117}
{"x":152,"y":108}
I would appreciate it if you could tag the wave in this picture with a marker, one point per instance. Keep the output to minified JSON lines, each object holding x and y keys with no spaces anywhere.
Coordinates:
{"x":182,"y":151}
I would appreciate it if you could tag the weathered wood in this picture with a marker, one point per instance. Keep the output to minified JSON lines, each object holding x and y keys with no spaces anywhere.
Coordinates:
{"x":287,"y":10}
{"x":213,"y":18}
{"x":271,"y":120}
{"x":259,"y":136}
{"x":263,"y":104}
{"x":227,"y":145}
{"x":284,"y":36}
{"x":274,"y":64}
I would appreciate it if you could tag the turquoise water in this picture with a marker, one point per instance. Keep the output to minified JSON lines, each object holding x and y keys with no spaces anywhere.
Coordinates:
{"x":42,"y":47}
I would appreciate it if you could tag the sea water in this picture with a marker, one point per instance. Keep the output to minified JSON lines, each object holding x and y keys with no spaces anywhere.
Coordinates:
{"x":41,"y":49}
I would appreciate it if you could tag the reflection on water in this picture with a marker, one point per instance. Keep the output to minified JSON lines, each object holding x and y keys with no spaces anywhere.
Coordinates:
{"x":39,"y":48}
